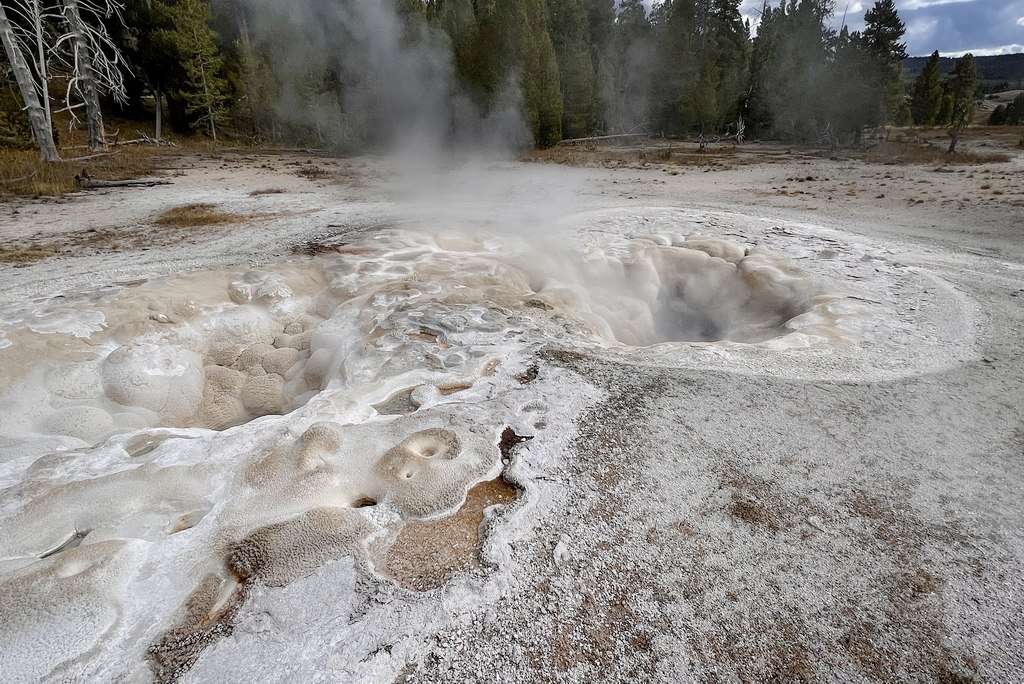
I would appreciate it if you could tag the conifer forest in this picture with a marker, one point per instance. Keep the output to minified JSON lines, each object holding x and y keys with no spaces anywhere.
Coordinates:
{"x":317,"y":73}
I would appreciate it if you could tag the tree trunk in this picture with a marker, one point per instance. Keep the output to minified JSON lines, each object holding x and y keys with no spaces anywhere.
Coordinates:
{"x":955,"y":134}
{"x":41,"y":65}
{"x":206,"y":91}
{"x":86,"y":76}
{"x":41,"y":126}
{"x":960,"y":122}
{"x":157,"y":99}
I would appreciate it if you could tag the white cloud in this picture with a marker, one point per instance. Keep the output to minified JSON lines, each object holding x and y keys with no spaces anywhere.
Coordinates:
{"x":921,"y":4}
{"x":987,"y":52}
{"x":921,"y":31}
{"x":1020,"y":22}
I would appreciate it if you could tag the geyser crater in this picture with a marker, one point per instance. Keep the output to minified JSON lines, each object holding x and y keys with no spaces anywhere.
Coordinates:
{"x":217,"y":350}
{"x":657,"y":289}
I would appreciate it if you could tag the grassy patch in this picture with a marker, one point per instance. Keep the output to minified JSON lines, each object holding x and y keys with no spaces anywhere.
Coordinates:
{"x":23,"y":174}
{"x":313,"y":172}
{"x":268,"y":191}
{"x":196,"y":214}
{"x":26,"y":255}
{"x":611,"y":156}
{"x":911,"y":153}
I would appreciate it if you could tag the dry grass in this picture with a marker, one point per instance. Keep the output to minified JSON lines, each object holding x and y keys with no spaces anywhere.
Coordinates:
{"x":22,"y":174}
{"x":196,"y":214}
{"x":926,"y":153}
{"x":610,"y":156}
{"x":24,"y":256}
{"x":268,"y":191}
{"x":313,"y":172}
{"x":909,"y":147}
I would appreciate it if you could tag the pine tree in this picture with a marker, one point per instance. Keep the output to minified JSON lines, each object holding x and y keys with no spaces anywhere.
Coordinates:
{"x":945,"y":115}
{"x":998,"y":116}
{"x":258,"y":90}
{"x":732,"y":56}
{"x":549,"y":104}
{"x":1015,"y":111}
{"x":601,"y":16}
{"x":569,"y":32}
{"x":457,"y":19}
{"x":680,"y":45}
{"x":853,"y":86}
{"x":926,"y":94}
{"x":788,"y":65}
{"x":205,"y":90}
{"x":625,"y":86}
{"x":514,"y":43}
{"x":703,"y":98}
{"x":883,"y":30}
{"x":963,"y":84}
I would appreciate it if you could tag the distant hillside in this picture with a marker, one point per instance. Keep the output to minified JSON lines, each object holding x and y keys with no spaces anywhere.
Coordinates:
{"x":995,"y":70}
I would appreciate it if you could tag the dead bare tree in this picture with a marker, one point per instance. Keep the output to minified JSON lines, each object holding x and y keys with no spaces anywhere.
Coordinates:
{"x":43,"y":39}
{"x":92,"y":60}
{"x":741,"y":128}
{"x":17,"y":40}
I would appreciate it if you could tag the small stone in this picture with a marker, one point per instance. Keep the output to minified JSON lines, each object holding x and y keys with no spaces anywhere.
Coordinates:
{"x":561,"y":552}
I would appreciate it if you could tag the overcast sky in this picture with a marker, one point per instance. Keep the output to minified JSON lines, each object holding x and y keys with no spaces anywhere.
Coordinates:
{"x":953,"y":27}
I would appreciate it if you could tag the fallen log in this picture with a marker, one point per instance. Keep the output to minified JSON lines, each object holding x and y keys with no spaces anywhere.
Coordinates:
{"x":314,"y":151}
{"x":87,"y":182}
{"x":604,"y":138}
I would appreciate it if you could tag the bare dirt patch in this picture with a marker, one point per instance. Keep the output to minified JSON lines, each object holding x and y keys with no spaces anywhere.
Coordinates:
{"x":427,"y":553}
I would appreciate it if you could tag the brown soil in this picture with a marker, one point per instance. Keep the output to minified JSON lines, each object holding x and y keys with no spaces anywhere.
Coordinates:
{"x":427,"y":553}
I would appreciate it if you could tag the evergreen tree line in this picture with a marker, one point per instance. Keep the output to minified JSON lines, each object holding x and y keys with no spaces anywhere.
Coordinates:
{"x":1011,"y":114}
{"x":330,"y":72}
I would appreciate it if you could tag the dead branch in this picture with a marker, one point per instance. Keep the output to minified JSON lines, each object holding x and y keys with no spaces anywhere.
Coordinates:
{"x":17,"y":180}
{"x":314,"y":151}
{"x":92,"y":156}
{"x":144,"y":140}
{"x":89,"y":183}
{"x":154,"y":141}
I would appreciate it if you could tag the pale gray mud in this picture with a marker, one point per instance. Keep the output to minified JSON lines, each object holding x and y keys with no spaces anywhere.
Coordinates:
{"x":846,"y":510}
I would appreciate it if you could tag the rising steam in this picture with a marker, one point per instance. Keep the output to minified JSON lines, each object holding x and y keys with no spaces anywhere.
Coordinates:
{"x":395,"y":81}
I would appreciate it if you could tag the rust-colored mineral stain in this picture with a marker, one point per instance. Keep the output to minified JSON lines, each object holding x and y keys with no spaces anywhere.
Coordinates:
{"x":428,"y":337}
{"x":427,"y":553}
{"x":447,"y":388}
